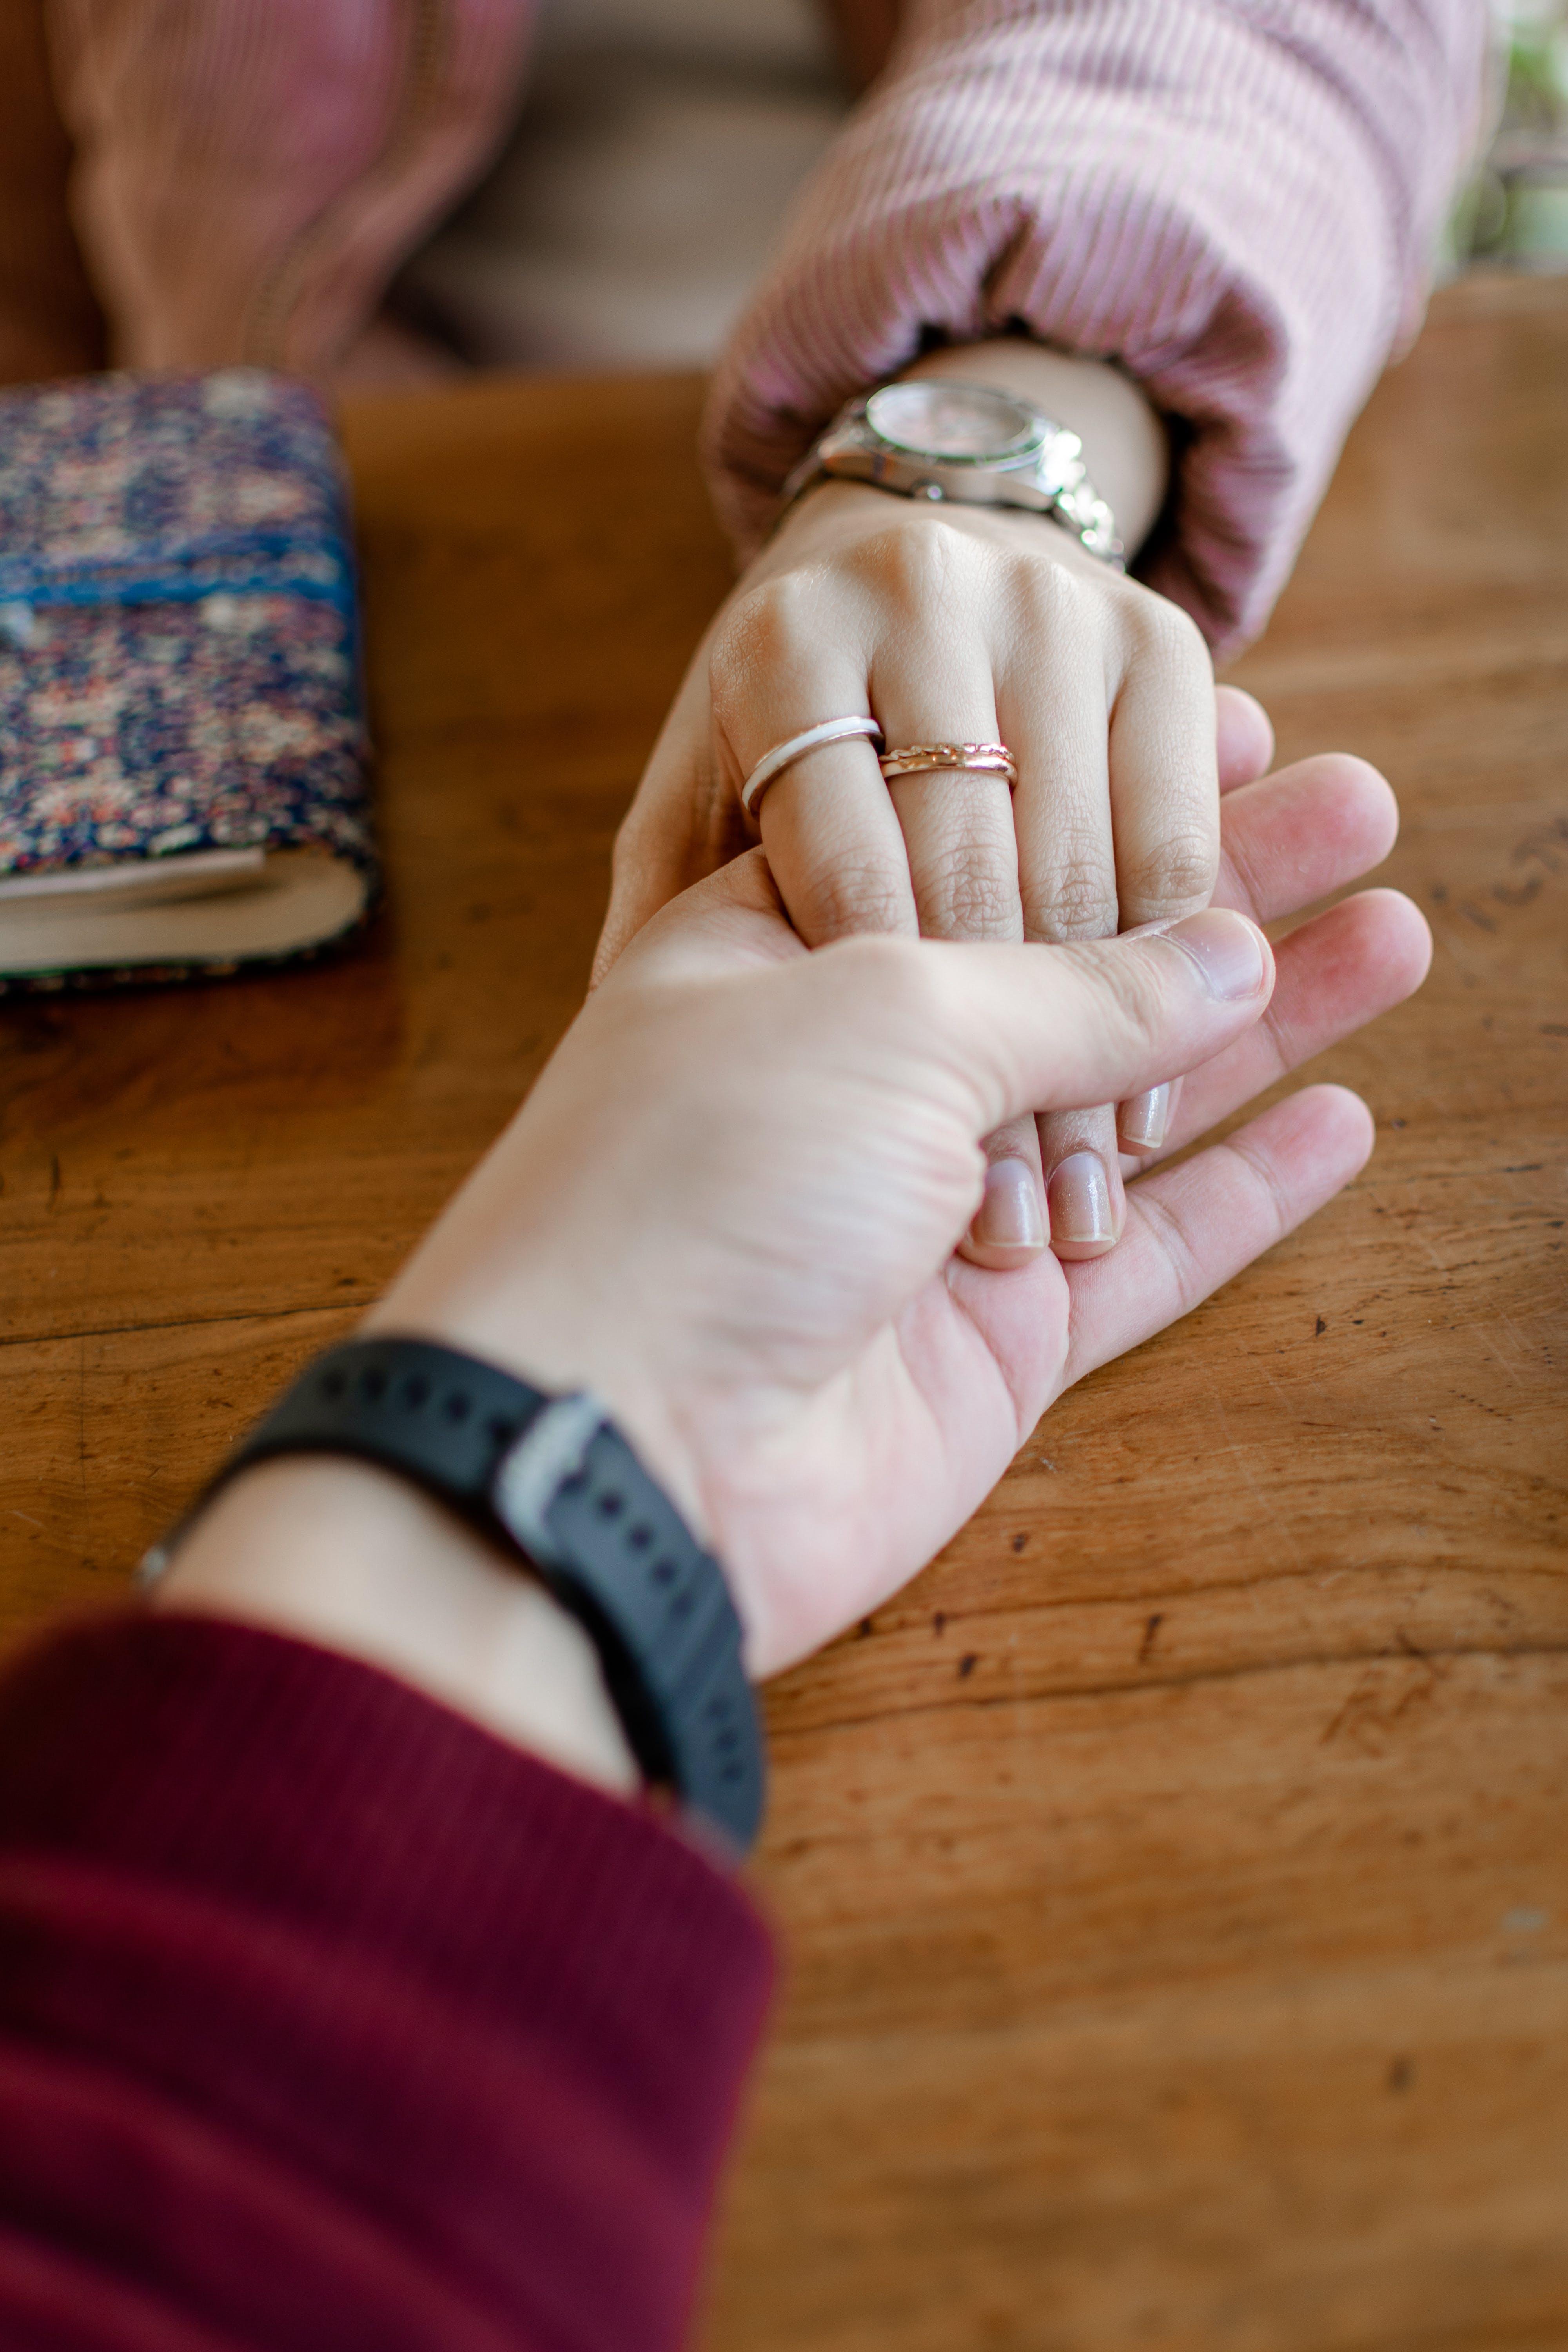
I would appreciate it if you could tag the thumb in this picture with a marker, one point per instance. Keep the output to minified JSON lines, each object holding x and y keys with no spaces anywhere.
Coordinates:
{"x":1063,"y":1028}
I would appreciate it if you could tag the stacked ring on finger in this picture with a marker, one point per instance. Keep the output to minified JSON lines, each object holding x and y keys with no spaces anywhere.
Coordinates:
{"x":912,"y":760}
{"x":972,"y":758}
{"x":811,"y":739}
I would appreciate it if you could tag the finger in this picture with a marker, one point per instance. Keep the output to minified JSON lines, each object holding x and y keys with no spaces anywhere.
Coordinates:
{"x":1084,"y":1198}
{"x":834,"y":846}
{"x":1143,"y":1123}
{"x":1244,"y":737}
{"x":1165,"y":796}
{"x":1297,"y":835}
{"x":1164,"y":783}
{"x":963,"y":868}
{"x":1192,"y":1228}
{"x":648,"y":869}
{"x":1054,"y":1027}
{"x":1052,"y":708}
{"x":1333,"y":975}
{"x":1285,"y":841}
{"x":784,"y":659}
{"x":935,"y":686}
{"x":1290,"y":839}
{"x":1008,"y":1229}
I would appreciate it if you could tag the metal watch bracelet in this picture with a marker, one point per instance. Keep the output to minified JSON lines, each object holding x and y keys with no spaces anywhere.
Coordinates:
{"x":1041,"y":470}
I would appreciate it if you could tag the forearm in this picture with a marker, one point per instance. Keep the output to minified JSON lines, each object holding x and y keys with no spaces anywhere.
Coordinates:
{"x":352,"y":1918}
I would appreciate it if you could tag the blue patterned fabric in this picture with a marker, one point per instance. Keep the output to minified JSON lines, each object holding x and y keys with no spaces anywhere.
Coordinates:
{"x":179,"y":665}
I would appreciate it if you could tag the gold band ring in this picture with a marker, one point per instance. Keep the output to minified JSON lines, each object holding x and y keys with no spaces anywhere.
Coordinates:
{"x":972,"y":758}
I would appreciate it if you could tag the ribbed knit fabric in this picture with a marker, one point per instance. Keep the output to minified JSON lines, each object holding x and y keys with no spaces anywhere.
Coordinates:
{"x":329,"y":2022}
{"x":1238,"y":199}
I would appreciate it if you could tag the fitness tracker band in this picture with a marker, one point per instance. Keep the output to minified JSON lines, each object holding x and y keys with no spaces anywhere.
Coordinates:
{"x":551,"y":1481}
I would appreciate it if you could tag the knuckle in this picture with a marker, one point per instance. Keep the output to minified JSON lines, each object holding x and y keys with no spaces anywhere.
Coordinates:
{"x":1077,"y":901}
{"x":1178,"y":874}
{"x":1172,"y":637}
{"x":1048,"y":599}
{"x":970,"y":895}
{"x":763,"y":630}
{"x":852,"y":897}
{"x":922,"y":566}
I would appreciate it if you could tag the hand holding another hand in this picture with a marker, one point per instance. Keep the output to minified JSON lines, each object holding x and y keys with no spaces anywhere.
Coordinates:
{"x":959,"y":623}
{"x":730,"y":1206}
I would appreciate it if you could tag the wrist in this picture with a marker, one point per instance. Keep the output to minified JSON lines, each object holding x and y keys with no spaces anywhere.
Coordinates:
{"x":832,"y":515}
{"x":1125,"y":446}
{"x":558,"y":1318}
{"x":352,"y":1558}
{"x":1112,"y":489}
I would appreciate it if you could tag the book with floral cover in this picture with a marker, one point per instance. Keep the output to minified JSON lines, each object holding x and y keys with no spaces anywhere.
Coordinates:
{"x":182,"y":751}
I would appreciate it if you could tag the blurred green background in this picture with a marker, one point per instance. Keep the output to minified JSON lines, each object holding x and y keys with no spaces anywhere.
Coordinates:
{"x":1514,"y":212}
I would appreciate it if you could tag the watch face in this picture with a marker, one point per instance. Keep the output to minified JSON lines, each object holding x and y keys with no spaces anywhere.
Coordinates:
{"x":959,"y":423}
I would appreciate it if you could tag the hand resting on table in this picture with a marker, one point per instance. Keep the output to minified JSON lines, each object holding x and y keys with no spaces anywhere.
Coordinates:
{"x":730,"y":1206}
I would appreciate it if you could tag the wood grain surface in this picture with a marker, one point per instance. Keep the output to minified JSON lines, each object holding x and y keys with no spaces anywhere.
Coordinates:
{"x":1175,"y":1878}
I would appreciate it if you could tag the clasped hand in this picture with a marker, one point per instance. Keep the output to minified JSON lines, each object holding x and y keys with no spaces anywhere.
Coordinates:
{"x":731,"y":1204}
{"x":960,"y":624}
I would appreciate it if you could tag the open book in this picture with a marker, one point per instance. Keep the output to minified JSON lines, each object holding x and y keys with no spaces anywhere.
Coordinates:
{"x":181,"y":740}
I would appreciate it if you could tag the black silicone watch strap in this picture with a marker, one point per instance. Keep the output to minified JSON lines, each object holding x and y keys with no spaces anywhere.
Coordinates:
{"x":553,"y":1480}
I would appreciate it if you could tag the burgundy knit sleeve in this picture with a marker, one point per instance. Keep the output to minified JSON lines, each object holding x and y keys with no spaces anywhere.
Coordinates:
{"x":329,"y":2022}
{"x":1238,"y":201}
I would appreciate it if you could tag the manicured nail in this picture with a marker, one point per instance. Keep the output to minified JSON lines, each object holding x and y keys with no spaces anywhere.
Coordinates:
{"x":1143,"y":1119}
{"x":1226,"y":950}
{"x":1080,"y":1196}
{"x":1008,"y":1218}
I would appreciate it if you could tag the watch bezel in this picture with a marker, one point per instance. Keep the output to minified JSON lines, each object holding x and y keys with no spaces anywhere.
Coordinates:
{"x":1044,"y":474}
{"x":1022,"y":449}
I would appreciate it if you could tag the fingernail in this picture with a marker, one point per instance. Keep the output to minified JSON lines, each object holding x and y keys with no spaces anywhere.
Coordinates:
{"x":1080,"y":1196}
{"x":1226,"y":950}
{"x":1143,"y":1119}
{"x":1008,"y":1217}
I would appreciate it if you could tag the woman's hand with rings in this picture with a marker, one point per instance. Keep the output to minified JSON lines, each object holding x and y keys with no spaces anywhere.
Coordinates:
{"x":956,"y":624}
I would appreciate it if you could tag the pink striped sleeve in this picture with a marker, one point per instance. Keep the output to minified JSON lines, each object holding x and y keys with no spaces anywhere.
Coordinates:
{"x":1237,"y":199}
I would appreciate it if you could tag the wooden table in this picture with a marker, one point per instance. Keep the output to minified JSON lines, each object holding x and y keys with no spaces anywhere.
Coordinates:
{"x":1175,"y":1878}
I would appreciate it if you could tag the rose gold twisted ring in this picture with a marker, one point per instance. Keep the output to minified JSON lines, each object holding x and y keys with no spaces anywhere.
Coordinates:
{"x":972,"y":759}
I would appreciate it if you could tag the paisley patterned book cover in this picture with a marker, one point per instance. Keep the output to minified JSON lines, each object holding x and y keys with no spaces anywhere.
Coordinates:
{"x":183,"y":754}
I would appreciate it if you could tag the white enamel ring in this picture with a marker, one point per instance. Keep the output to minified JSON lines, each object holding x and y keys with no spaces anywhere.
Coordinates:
{"x":773,"y":763}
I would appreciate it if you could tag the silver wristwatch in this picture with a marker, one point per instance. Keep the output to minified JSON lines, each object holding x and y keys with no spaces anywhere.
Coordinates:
{"x":933,"y":437}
